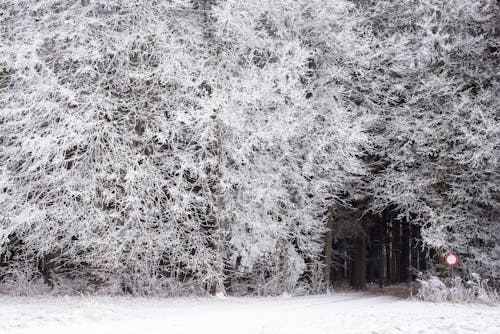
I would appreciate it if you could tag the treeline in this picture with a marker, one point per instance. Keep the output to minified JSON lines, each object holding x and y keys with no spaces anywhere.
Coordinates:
{"x":229,"y":146}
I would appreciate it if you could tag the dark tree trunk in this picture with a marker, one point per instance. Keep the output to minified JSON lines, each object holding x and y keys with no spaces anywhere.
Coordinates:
{"x":359,"y":272}
{"x":328,"y":247}
{"x":381,"y":255}
{"x":347,"y":263}
{"x":372,"y":252}
{"x":284,"y":261}
{"x":423,"y":260}
{"x":405,"y":251}
{"x":47,"y":265}
{"x":350,"y":271}
{"x":334,"y":269}
{"x":396,"y":251}
{"x":388,"y":253}
{"x":414,"y":249}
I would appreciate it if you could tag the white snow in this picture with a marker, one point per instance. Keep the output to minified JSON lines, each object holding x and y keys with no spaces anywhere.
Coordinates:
{"x":336,"y":313}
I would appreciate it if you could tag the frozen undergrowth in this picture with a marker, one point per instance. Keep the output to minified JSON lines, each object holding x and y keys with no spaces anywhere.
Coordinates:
{"x":474,"y":290}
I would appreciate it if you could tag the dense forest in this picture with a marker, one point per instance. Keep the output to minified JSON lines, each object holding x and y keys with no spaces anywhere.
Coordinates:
{"x":247,"y":147}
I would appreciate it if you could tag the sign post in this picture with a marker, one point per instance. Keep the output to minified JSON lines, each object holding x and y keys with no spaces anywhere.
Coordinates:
{"x":451,"y":261}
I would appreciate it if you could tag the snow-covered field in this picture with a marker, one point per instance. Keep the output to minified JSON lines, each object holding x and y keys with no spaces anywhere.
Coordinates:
{"x":336,"y":313}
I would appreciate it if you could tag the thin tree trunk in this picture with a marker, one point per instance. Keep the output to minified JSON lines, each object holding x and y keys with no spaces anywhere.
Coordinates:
{"x":334,"y":269}
{"x":47,"y":266}
{"x":347,"y":270}
{"x":405,"y":251}
{"x":328,"y":247}
{"x":372,"y":250}
{"x":396,"y":251}
{"x":219,"y":286}
{"x":388,"y":253}
{"x":423,"y":259}
{"x":381,"y":255}
{"x":284,"y":267}
{"x":414,"y":250}
{"x":359,"y":277}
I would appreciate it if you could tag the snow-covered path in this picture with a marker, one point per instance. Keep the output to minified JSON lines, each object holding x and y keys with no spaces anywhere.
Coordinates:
{"x":337,"y":313}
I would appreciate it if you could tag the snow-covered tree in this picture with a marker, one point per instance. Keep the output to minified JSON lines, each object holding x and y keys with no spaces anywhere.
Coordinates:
{"x":100,"y":140}
{"x":202,"y":145}
{"x":432,"y":85}
{"x":292,"y":135}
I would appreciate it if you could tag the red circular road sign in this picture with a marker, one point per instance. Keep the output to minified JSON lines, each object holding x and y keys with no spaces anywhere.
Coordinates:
{"x":451,"y":260}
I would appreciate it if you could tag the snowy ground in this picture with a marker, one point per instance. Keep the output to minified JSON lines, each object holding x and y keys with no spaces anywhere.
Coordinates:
{"x":337,"y":313}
